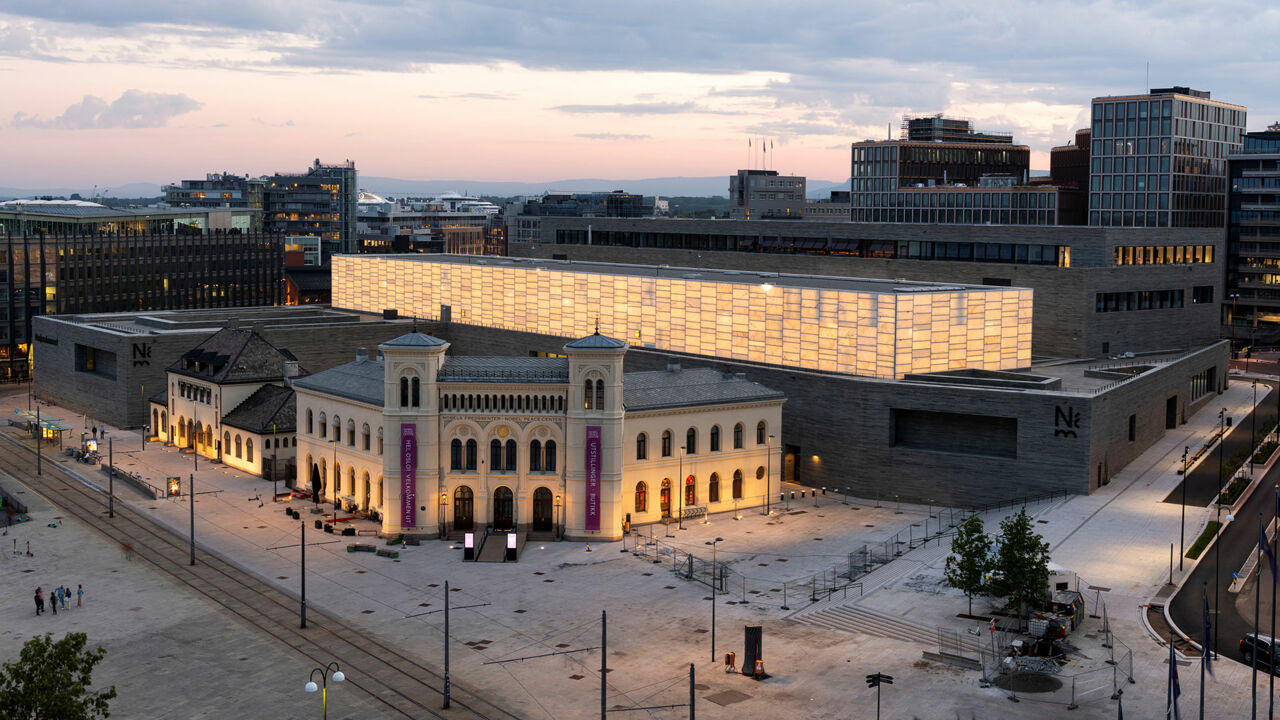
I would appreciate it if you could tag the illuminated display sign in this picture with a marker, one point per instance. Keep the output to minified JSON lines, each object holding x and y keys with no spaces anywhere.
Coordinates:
{"x":592,"y":464}
{"x":408,"y":474}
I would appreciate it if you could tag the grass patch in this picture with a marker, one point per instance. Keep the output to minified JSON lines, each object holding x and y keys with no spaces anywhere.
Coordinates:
{"x":1264,"y":452}
{"x":1202,"y":542}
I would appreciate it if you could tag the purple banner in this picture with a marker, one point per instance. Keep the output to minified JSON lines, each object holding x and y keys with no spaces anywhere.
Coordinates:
{"x":408,"y":474}
{"x":593,"y":479}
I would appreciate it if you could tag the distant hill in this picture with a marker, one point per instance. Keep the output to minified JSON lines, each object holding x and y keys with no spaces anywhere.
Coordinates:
{"x":714,"y":186}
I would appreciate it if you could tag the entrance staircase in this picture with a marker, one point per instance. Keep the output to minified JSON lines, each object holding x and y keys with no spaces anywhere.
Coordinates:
{"x":493,"y":548}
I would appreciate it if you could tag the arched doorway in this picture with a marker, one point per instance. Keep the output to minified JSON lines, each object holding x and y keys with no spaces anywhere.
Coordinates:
{"x":315,"y":483}
{"x":503,"y":509}
{"x":463,"y":509}
{"x":542,"y":510}
{"x":199,"y":437}
{"x":664,"y":498}
{"x":364,"y":505}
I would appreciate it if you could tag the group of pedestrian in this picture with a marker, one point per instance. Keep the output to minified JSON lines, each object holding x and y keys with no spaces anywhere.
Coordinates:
{"x":60,"y":595}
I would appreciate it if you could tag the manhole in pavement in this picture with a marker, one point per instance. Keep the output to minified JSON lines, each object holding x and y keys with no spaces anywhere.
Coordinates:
{"x":519,"y":612}
{"x":470,"y":644}
{"x":432,"y":585}
{"x":28,"y":570}
{"x":424,"y":604}
{"x":647,"y":574}
{"x":700,"y":686}
{"x":753,"y":592}
{"x":768,"y":523}
{"x":484,"y":642}
{"x":782,"y":559}
{"x":548,"y":580}
{"x":707,"y":598}
{"x":454,"y":589}
{"x":817,"y":539}
{"x":868,"y":526}
{"x":762,"y":564}
{"x":262,"y":527}
{"x":1028,"y":682}
{"x":539,"y":572}
{"x":153,"y":507}
{"x":731,"y":602}
{"x":563,"y":645}
{"x":366,"y":612}
{"x":701,"y":631}
{"x":728,"y":697}
{"x":575,"y":677}
{"x":246,"y":527}
{"x":1043,"y":522}
{"x":361,"y":572}
{"x":282,"y":577}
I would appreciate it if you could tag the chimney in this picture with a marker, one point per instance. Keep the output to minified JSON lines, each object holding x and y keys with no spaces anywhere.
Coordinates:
{"x":290,"y":372}
{"x":361,"y":354}
{"x":673,"y":364}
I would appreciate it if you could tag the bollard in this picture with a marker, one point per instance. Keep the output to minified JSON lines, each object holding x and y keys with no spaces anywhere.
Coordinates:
{"x":1073,"y":704}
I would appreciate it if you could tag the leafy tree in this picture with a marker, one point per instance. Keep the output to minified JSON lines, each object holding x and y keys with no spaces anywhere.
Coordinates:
{"x":51,"y":679}
{"x":970,"y":557}
{"x":1022,"y":563}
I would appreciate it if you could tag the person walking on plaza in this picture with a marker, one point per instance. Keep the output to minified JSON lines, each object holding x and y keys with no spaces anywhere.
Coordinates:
{"x":53,"y":601}
{"x":66,"y":596}
{"x":79,"y":596}
{"x":39,"y":601}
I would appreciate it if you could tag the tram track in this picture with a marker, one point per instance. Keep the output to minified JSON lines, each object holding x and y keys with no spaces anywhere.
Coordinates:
{"x":403,"y":684}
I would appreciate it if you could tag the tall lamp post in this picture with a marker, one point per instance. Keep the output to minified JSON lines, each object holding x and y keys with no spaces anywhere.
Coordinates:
{"x":680,"y":494}
{"x":444,"y":502}
{"x":715,"y":572}
{"x":1222,"y":441}
{"x":1182,"y":534}
{"x":1253,"y":427}
{"x":337,"y":479}
{"x":323,"y":687}
{"x":1217,"y":572}
{"x":768,"y":474}
{"x":559,"y":523}
{"x":275,"y":458}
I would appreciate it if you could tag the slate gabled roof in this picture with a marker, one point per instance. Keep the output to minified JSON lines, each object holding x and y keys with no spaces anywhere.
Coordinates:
{"x":361,"y":380}
{"x":234,"y":356}
{"x":269,"y":404}
{"x":662,"y":389}
{"x":480,"y":368}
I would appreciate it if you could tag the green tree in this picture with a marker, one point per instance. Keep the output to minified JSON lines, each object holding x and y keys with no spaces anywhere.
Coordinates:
{"x":51,"y":679}
{"x":1022,"y":564}
{"x":970,"y":557}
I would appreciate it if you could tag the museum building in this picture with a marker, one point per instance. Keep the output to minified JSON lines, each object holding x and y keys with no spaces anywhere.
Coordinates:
{"x":433,"y":444}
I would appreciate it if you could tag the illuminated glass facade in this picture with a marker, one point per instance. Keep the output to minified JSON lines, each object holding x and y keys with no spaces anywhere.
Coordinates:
{"x":875,"y":328}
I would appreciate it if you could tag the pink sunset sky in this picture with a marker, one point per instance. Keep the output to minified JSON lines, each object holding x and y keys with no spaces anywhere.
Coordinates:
{"x":149,"y":91}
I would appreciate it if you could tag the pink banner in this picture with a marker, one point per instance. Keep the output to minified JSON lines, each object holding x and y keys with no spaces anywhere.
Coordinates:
{"x":408,"y":474}
{"x":592,"y":504}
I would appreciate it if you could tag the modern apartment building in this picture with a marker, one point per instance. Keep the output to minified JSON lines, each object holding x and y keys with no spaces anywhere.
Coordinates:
{"x":1251,"y":306}
{"x":319,"y":202}
{"x":1160,"y":159}
{"x":217,"y":190}
{"x":766,"y":195}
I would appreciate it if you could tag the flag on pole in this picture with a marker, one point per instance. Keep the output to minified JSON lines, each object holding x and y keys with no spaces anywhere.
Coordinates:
{"x":993,"y":626}
{"x":1176,"y":689}
{"x":1208,"y":633}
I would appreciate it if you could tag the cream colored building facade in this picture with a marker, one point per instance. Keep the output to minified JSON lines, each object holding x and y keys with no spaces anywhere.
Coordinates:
{"x":569,"y":447}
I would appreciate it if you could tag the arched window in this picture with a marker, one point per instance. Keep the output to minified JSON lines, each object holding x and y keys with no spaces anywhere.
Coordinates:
{"x":310,"y":424}
{"x":495,"y":455}
{"x":691,"y":441}
{"x":379,"y":441}
{"x":337,"y":429}
{"x":760,"y":472}
{"x":599,"y":394}
{"x":512,"y":455}
{"x":535,"y":456}
{"x":666,"y":443}
{"x":416,"y":391}
{"x":455,"y":454}
{"x":364,"y":437}
{"x":642,"y":446}
{"x":226,"y":442}
{"x":248,"y":449}
{"x":737,"y":436}
{"x":208,"y":435}
{"x":351,"y":433}
{"x":737,"y":484}
{"x":715,"y":438}
{"x":587,"y":395}
{"x":550,"y":464}
{"x":324,"y":426}
{"x":404,"y":392}
{"x":760,"y":433}
{"x":642,"y":497}
{"x":237,"y":445}
{"x":351,"y":480}
{"x":471,"y":455}
{"x":690,"y":491}
{"x":713,"y":488}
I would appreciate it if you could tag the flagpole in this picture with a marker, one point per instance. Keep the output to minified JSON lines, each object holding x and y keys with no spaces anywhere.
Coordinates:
{"x":1257,"y":598}
{"x":1204,"y":647}
{"x":1271,"y":682}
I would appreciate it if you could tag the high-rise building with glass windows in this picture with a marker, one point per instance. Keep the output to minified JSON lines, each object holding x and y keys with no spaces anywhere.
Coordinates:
{"x":1160,"y":160}
{"x":1251,"y":308}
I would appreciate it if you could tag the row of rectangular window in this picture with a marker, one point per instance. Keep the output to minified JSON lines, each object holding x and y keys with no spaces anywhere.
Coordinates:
{"x":943,"y":216}
{"x":1139,"y":300}
{"x":957,"y":199}
{"x":1163,"y":254}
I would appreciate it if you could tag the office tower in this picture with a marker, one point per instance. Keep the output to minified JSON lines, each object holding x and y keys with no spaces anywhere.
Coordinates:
{"x":766,"y":195}
{"x":1252,"y":303}
{"x":1160,"y":160}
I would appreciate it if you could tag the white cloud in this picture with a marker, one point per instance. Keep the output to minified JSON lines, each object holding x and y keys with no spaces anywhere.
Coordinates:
{"x":133,"y":109}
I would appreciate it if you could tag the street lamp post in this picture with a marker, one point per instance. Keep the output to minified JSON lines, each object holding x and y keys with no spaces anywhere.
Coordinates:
{"x":715,"y":572}
{"x":680,"y":494}
{"x":275,"y":458}
{"x":444,"y":503}
{"x":559,"y":525}
{"x":1222,"y":441}
{"x":1253,"y":427}
{"x":323,"y":687}
{"x":333,"y":487}
{"x":1182,"y":534}
{"x":1217,"y":572}
{"x":768,"y":474}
